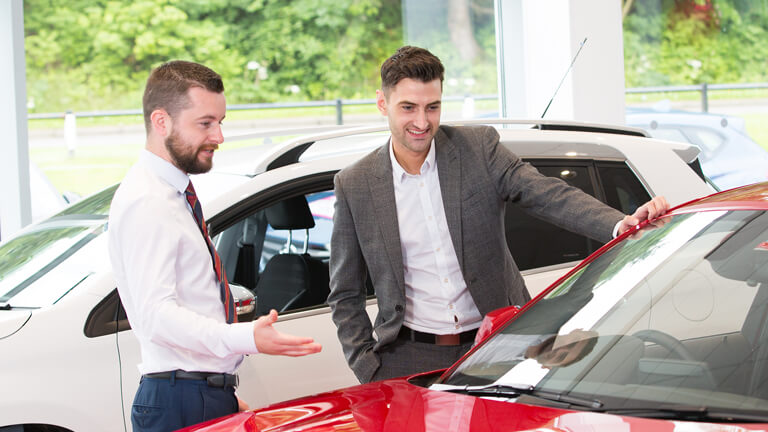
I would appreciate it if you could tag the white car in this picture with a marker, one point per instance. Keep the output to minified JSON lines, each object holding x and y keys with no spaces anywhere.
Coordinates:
{"x":69,"y":358}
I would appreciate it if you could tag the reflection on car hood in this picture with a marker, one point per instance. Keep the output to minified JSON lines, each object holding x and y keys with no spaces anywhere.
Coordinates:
{"x":12,"y":320}
{"x":396,"y":405}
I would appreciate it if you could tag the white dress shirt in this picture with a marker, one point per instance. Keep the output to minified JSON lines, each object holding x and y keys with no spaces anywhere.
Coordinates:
{"x":165,"y":275}
{"x":437,"y":297}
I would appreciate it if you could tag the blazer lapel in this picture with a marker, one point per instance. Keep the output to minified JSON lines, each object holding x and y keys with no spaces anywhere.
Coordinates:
{"x":449,"y":173}
{"x":383,"y":197}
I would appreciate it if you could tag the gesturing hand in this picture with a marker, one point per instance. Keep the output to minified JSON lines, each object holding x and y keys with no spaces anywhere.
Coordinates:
{"x":270,"y":341}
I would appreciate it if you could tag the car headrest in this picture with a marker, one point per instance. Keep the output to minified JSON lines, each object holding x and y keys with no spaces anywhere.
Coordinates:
{"x":291,"y":214}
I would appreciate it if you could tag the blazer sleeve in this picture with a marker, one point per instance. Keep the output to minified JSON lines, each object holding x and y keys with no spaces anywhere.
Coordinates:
{"x":547,"y":198}
{"x":347,"y":298}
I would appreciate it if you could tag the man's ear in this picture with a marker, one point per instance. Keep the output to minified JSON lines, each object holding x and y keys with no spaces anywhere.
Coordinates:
{"x":161,"y":122}
{"x":381,"y":102}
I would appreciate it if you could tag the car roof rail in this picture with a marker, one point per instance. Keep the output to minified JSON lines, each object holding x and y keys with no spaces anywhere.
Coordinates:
{"x":596,"y":128}
{"x":290,"y":151}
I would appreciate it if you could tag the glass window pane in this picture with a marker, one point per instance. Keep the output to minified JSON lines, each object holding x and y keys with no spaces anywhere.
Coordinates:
{"x":623,"y":190}
{"x":462,"y":34}
{"x":532,"y":241}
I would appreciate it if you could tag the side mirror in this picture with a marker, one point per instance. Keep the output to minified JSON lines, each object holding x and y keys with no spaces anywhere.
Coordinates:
{"x":245,"y":302}
{"x":494,"y":320}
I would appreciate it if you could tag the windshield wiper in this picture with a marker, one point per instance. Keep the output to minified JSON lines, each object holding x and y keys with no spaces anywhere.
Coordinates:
{"x":507,"y":390}
{"x":5,"y":306}
{"x":690,"y":413}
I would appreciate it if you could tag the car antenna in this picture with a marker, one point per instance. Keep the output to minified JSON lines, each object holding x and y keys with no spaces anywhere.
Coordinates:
{"x":581,"y":45}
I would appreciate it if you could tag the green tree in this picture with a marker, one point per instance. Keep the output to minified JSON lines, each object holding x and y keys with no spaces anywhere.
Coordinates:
{"x":96,"y":54}
{"x":695,"y":41}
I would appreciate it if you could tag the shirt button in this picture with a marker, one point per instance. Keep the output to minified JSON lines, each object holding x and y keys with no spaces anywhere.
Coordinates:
{"x":445,"y":280}
{"x":437,"y":250}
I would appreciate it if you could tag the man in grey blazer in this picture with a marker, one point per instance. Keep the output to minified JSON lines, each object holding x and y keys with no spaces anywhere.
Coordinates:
{"x":422,"y":217}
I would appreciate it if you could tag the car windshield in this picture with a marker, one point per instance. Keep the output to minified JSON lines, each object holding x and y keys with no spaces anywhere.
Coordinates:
{"x":31,"y":274}
{"x":673,"y":316}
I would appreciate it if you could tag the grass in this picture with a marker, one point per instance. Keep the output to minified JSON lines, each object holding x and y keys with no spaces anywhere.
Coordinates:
{"x":89,"y":169}
{"x":757,"y":128}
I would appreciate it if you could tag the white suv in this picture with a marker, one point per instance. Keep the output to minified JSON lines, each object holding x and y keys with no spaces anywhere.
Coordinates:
{"x":69,"y":358}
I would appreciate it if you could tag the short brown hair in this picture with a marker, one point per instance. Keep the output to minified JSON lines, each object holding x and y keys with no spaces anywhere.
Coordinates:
{"x":168,"y":84}
{"x":411,"y":62}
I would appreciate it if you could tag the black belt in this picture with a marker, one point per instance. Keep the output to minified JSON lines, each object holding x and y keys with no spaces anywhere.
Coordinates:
{"x":450,"y":339}
{"x":213,"y":379}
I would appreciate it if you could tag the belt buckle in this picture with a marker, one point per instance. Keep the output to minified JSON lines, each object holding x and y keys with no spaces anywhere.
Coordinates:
{"x":447,"y":340}
{"x":218,"y":380}
{"x":222,"y":380}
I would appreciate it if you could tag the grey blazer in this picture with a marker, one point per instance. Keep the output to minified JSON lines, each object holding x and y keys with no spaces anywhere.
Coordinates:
{"x":477,"y":176}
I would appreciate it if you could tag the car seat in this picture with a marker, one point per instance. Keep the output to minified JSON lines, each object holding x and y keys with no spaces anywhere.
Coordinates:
{"x":287,"y":280}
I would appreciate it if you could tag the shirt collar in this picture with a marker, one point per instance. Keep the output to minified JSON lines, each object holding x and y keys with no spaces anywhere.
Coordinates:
{"x":399,"y":173}
{"x":165,"y":170}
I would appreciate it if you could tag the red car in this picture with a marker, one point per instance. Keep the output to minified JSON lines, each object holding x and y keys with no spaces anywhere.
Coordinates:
{"x":663,"y":329}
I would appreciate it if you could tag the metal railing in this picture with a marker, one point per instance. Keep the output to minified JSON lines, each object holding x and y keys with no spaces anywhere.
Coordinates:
{"x":703,"y":88}
{"x":339,"y":104}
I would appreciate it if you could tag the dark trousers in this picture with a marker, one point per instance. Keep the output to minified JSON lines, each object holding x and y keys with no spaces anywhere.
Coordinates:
{"x":163,"y":405}
{"x":403,"y":357}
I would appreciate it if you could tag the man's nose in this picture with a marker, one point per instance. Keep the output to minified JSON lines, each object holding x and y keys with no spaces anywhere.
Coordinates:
{"x":421,"y":119}
{"x":216,"y":135}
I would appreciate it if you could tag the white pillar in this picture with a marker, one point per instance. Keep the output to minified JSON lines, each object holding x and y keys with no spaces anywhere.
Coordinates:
{"x":536,"y":43}
{"x":15,"y":207}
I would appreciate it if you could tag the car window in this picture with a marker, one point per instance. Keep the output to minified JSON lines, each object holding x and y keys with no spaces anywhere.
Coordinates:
{"x":48,"y":259}
{"x":708,"y":140}
{"x":535,"y":243}
{"x":281,"y":252}
{"x":677,"y":310}
{"x":623,"y":190}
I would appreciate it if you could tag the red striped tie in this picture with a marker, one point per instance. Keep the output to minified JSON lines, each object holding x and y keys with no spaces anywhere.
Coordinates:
{"x":226,"y":295}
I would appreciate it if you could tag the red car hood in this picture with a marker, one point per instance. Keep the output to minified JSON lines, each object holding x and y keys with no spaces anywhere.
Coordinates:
{"x":398,"y":406}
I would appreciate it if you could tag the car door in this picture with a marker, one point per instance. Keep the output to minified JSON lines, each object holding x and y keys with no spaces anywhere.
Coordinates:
{"x":544,"y":252}
{"x":259,"y":252}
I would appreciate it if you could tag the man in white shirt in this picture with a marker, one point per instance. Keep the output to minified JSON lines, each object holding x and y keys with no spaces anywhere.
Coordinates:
{"x":422,"y":218}
{"x":168,"y":274}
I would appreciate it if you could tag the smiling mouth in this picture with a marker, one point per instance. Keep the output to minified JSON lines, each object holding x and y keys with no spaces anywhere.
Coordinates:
{"x":209,"y":149}
{"x":418,"y":133}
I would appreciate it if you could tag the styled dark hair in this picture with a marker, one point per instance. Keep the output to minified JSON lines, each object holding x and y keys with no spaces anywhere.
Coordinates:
{"x":410,"y":62}
{"x":168,"y":84}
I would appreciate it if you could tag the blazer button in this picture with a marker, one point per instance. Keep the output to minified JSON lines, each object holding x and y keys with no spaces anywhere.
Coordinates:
{"x":398,"y":308}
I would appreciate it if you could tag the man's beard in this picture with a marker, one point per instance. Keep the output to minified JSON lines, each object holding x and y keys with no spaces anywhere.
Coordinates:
{"x":185,"y":158}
